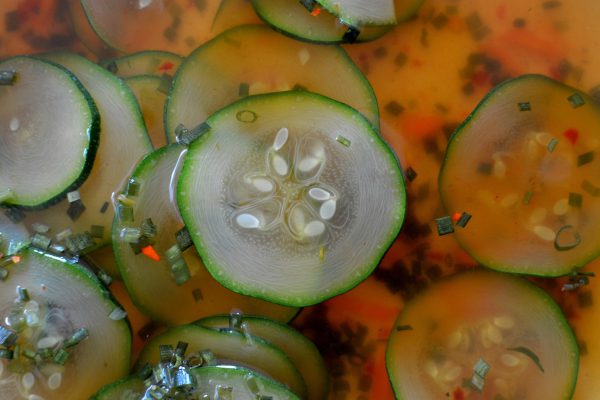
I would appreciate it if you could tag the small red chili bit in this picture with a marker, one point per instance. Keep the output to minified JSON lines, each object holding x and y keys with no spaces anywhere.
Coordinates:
{"x":166,"y":66}
{"x":458,"y":394}
{"x":316,"y":11}
{"x":149,"y":252}
{"x":572,"y":135}
{"x":456,"y":216}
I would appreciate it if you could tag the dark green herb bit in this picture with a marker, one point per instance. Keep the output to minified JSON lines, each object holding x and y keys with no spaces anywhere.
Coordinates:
{"x":3,"y":274}
{"x":97,"y":231}
{"x":476,"y":27}
{"x":411,"y":174}
{"x":394,"y":108}
{"x":524,"y":106}
{"x":7,"y":354}
{"x":527,"y":197}
{"x":568,"y":230}
{"x":585,"y":158}
{"x":125,"y":213}
{"x":41,"y":241}
{"x":351,"y":35}
{"x":519,"y":23}
{"x":148,"y":228}
{"x":185,"y":136}
{"x":400,"y":59}
{"x":400,"y":328}
{"x":76,"y":208}
{"x":7,"y":337}
{"x":298,"y":86}
{"x":485,"y":168}
{"x":22,"y":294}
{"x":464,"y":219}
{"x":244,"y":89}
{"x":104,"y":207}
{"x":133,"y":188}
{"x":590,"y":188}
{"x":444,"y":225}
{"x":575,"y":200}
{"x":77,"y":337}
{"x":8,"y":77}
{"x":548,"y":5}
{"x":183,"y":238}
{"x":197,"y":294}
{"x":61,"y":356}
{"x":309,"y":4}
{"x":343,"y":141}
{"x":14,"y":214}
{"x":576,"y":100}
{"x":529,"y":353}
{"x":112,"y":67}
{"x":78,"y":243}
{"x":552,"y":144}
{"x":166,"y":353}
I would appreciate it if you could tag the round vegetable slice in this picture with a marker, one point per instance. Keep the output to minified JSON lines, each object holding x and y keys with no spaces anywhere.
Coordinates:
{"x":291,"y":197}
{"x":128,"y":388}
{"x":235,"y":64}
{"x":482,"y":335}
{"x":60,"y":332}
{"x":144,"y":63}
{"x":523,"y":165}
{"x":49,"y":133}
{"x":362,"y":12}
{"x":188,"y":292}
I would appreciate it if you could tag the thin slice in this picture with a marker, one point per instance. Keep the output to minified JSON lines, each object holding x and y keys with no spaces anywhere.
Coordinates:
{"x":151,"y":93}
{"x":301,"y":351}
{"x":48,"y":135}
{"x":70,"y":335}
{"x":195,"y":297}
{"x":525,"y":165}
{"x":362,"y":12}
{"x":153,"y":62}
{"x":123,"y":142}
{"x":85,"y":33}
{"x":482,"y":335}
{"x":128,"y":388}
{"x":236,"y":63}
{"x":291,"y":197}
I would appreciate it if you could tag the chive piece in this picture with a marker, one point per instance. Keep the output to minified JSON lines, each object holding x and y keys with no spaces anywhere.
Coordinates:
{"x":8,"y":77}
{"x":7,"y":354}
{"x":559,"y":243}
{"x":73,"y":196}
{"x":148,"y":228}
{"x":552,"y":145}
{"x":351,"y":35}
{"x":63,"y":235}
{"x":244,"y":89}
{"x":104,"y":207}
{"x":400,"y":328}
{"x":40,"y":228}
{"x":576,"y":100}
{"x":197,"y":294}
{"x":22,"y":294}
{"x":585,"y":158}
{"x":44,"y":354}
{"x":298,"y":86}
{"x":464,"y":219}
{"x":145,"y":372}
{"x":78,"y":243}
{"x":481,"y":367}
{"x":76,"y":208}
{"x":309,"y":4}
{"x":185,"y":136}
{"x":28,"y":353}
{"x":223,"y":392}
{"x":41,"y":241}
{"x":77,"y":337}
{"x":3,"y":273}
{"x":183,"y":380}
{"x":14,"y":214}
{"x":7,"y":337}
{"x":575,"y":200}
{"x":527,"y":197}
{"x":117,"y":314}
{"x":529,"y":353}
{"x":485,"y":168}
{"x":97,"y":231}
{"x":411,"y":174}
{"x":181,"y":348}
{"x":247,"y":116}
{"x":394,"y":108}
{"x":124,"y":199}
{"x":590,"y":188}
{"x":342,"y":140}
{"x":183,"y":238}
{"x":6,"y":194}
{"x":444,"y":225}
{"x":166,"y":353}
{"x":125,"y":213}
{"x":15,"y":247}
{"x":252,"y":384}
{"x":104,"y":277}
{"x":133,"y":188}
{"x":61,"y":356}
{"x":180,"y":271}
{"x":524,"y":106}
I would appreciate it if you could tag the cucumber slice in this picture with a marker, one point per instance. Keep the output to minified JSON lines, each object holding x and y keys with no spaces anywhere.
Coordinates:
{"x":362,"y":12}
{"x":301,"y":351}
{"x":168,"y":25}
{"x":236,"y":62}
{"x":523,"y":165}
{"x":144,"y":277}
{"x":144,"y":63}
{"x":85,"y":33}
{"x":292,"y":18}
{"x":49,"y":133}
{"x":61,"y":299}
{"x":232,"y":349}
{"x":291,"y":197}
{"x":482,"y":335}
{"x":151,"y":95}
{"x":124,"y":141}
{"x":128,"y":388}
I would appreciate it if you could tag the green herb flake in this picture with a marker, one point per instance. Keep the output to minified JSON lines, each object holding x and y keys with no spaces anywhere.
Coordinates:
{"x":411,"y":174}
{"x":41,"y":241}
{"x":527,"y":197}
{"x":77,"y":337}
{"x":246,"y":116}
{"x":575,"y":200}
{"x":529,"y":353}
{"x":394,"y":108}
{"x":476,"y":27}
{"x":183,"y":239}
{"x":590,"y":188}
{"x":524,"y":106}
{"x":244,"y":89}
{"x":477,"y":382}
{"x":7,"y":337}
{"x":309,"y":4}
{"x":76,"y":208}
{"x":61,"y":356}
{"x":148,"y":228}
{"x":223,"y":392}
{"x":585,"y":158}
{"x":8,"y":77}
{"x":73,"y":196}
{"x":7,"y":354}
{"x":104,"y":207}
{"x":252,"y":384}
{"x":572,"y":240}
{"x":552,"y":145}
{"x":464,"y":219}
{"x":401,"y":328}
{"x":444,"y":225}
{"x":180,"y":271}
{"x":343,"y":140}
{"x":481,"y":367}
{"x":351,"y":35}
{"x":22,"y":294}
{"x":14,"y":214}
{"x":576,"y":100}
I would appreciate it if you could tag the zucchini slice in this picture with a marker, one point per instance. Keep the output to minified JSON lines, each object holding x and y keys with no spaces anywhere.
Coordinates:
{"x":525,"y":165}
{"x":123,"y":142}
{"x":292,"y":17}
{"x":362,"y":12}
{"x":69,"y":338}
{"x":229,"y":348}
{"x":128,"y":388}
{"x":49,"y":133}
{"x":151,"y":94}
{"x":200,"y":295}
{"x":485,"y":335}
{"x":301,"y":351}
{"x":144,"y":63}
{"x":235,"y":64}
{"x":291,"y":197}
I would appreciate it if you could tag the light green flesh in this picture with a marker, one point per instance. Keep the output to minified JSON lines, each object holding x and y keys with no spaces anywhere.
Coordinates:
{"x":145,"y":277}
{"x":145,"y":63}
{"x":147,"y":90}
{"x":69,"y":298}
{"x":291,"y":17}
{"x":285,"y":259}
{"x":362,"y":12}
{"x":232,"y":349}
{"x":504,"y":320}
{"x":48,"y":133}
{"x":129,"y":388}
{"x":123,"y":141}
{"x":239,"y":56}
{"x":301,"y":351}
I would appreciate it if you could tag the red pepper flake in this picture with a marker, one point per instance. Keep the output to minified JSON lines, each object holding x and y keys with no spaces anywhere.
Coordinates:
{"x":166,"y":66}
{"x":316,"y":11}
{"x":458,"y":394}
{"x":456,"y":216}
{"x":149,"y":252}
{"x":16,"y":259}
{"x":501,"y":12}
{"x":572,"y":135}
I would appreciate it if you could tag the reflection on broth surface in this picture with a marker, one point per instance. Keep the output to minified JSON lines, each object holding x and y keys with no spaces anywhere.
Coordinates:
{"x":428,"y":74}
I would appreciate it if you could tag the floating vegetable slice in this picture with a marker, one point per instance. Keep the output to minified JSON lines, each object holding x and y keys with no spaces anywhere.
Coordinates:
{"x":232,"y":13}
{"x":187,"y":291}
{"x":144,"y":63}
{"x":236,"y":64}
{"x":49,"y":133}
{"x":523,"y":165}
{"x":291,"y":197}
{"x":123,"y":142}
{"x":84,"y":31}
{"x":151,"y":93}
{"x":170,"y":25}
{"x":128,"y":388}
{"x":230,"y":349}
{"x":64,"y":335}
{"x":362,"y":12}
{"x":301,"y":351}
{"x":482,"y":335}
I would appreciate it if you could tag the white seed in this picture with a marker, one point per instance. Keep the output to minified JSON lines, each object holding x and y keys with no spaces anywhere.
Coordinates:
{"x":54,"y":381}
{"x":28,"y":380}
{"x":510,"y":360}
{"x":48,"y":342}
{"x":561,"y":207}
{"x":509,"y":200}
{"x":494,"y":334}
{"x":247,"y":221}
{"x":297,"y":220}
{"x":538,"y":215}
{"x":452,"y":373}
{"x":544,"y":233}
{"x":262,"y":185}
{"x":319,"y":194}
{"x":280,"y":165}
{"x":280,"y":139}
{"x":431,"y":368}
{"x":504,"y":322}
{"x":304,"y":55}
{"x":314,"y":228}
{"x":327,"y":209}
{"x":14,"y":124}
{"x":308,"y":164}
{"x":499,"y":169}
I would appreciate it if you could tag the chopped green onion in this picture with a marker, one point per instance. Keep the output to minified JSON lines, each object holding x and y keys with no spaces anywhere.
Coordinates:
{"x":244,"y":89}
{"x":44,"y":354}
{"x":252,"y":384}
{"x":552,"y":144}
{"x":575,"y":200}
{"x":180,"y":272}
{"x":62,"y":236}
{"x":197,"y":294}
{"x":464,"y":219}
{"x":481,"y":367}
{"x":183,"y":379}
{"x":185,"y":136}
{"x":343,"y":140}
{"x":8,"y":77}
{"x":61,"y":356}
{"x":585,"y":158}
{"x":529,"y":353}
{"x":6,"y":354}
{"x":6,"y":194}
{"x":117,"y":314}
{"x":560,"y":245}
{"x":133,"y":187}
{"x":527,"y":197}
{"x":104,"y":277}
{"x":247,"y":116}
{"x":40,"y":228}
{"x":15,"y":247}
{"x":444,"y":225}
{"x":524,"y":106}
{"x":576,"y":100}
{"x":14,"y":214}
{"x":22,"y":294}
{"x":40,"y":241}
{"x":28,"y":353}
{"x":76,"y":208}
{"x":104,"y":207}
{"x":125,"y":213}
{"x":181,"y":348}
{"x":124,"y":199}
{"x":148,"y":228}
{"x":166,"y":353}
{"x":78,"y":243}
{"x":309,"y":4}
{"x":145,"y":372}
{"x":183,"y":238}
{"x":73,"y":196}
{"x":351,"y":35}
{"x":7,"y":337}
{"x":77,"y":337}
{"x":3,"y":273}
{"x":590,"y":188}
{"x":208,"y":357}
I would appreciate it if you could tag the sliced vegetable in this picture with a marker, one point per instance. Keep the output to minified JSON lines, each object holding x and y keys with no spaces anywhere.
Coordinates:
{"x":85,"y":33}
{"x":128,"y":388}
{"x":237,"y":58}
{"x":154,"y":62}
{"x":471,"y":336}
{"x":533,"y":211}
{"x":362,"y":12}
{"x":232,"y":13}
{"x":279,"y":208}
{"x":50,"y":133}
